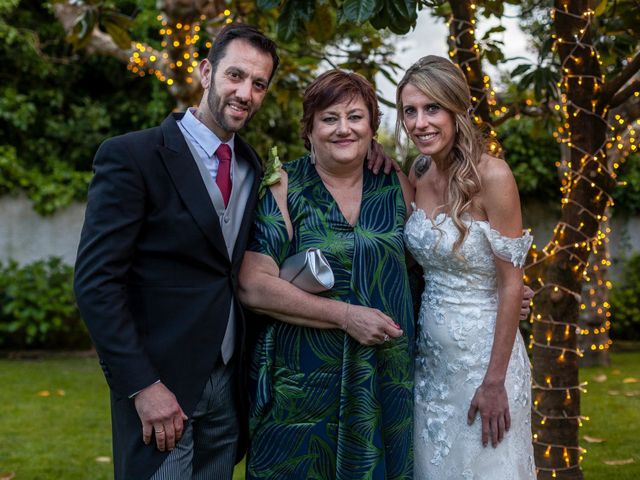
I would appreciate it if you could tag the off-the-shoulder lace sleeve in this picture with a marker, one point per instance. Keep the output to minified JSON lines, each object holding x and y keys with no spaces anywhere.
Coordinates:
{"x":510,"y":249}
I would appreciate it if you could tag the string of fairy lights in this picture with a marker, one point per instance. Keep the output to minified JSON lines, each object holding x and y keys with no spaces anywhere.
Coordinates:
{"x":595,"y":335}
{"x":478,"y":95}
{"x":572,"y":175}
{"x":178,"y":60}
{"x":598,"y":334}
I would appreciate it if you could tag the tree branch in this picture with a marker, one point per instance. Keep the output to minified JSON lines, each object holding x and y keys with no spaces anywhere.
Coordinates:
{"x":617,"y":82}
{"x":100,"y":43}
{"x":147,"y":59}
{"x":620,"y":97}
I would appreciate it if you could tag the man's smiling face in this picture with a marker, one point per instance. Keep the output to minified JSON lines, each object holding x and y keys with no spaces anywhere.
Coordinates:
{"x":235,"y":91}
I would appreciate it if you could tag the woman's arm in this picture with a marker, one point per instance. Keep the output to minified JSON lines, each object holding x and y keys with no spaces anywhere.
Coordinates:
{"x":500,"y":200}
{"x":408,"y":191}
{"x":262,"y":289}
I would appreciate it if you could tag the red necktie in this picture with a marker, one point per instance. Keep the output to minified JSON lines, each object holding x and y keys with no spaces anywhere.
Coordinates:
{"x":223,"y":178}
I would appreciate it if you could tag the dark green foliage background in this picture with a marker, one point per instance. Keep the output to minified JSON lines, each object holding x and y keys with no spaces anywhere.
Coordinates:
{"x":57,"y":105}
{"x":37,"y":307}
{"x":531,"y":152}
{"x":625,"y":301}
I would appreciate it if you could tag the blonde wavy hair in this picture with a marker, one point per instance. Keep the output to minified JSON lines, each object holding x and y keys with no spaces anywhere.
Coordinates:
{"x":444,"y":83}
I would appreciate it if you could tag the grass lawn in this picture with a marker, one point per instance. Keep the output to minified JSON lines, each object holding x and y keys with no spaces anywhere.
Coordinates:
{"x":54,"y":420}
{"x":612,"y":403}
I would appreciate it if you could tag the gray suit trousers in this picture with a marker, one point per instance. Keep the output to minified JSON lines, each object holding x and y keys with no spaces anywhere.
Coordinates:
{"x":207,"y":449}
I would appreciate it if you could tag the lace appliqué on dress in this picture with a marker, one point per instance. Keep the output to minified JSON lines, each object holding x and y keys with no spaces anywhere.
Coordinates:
{"x":512,"y":250}
{"x":456,"y":326}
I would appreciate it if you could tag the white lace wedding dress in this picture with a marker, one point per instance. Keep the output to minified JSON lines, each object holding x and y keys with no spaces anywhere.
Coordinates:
{"x":455,"y":335}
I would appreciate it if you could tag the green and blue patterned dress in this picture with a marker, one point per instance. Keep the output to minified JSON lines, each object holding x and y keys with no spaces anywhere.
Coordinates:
{"x":324,"y":406}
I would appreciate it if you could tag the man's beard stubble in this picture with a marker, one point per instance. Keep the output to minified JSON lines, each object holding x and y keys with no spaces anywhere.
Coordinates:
{"x":216,"y":107}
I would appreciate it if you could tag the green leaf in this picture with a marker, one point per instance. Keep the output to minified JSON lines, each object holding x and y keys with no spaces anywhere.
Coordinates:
{"x":600,"y":9}
{"x":123,"y":21}
{"x":520,"y":69}
{"x":267,"y":4}
{"x":493,"y":54}
{"x":323,"y":25}
{"x":386,"y":102}
{"x":119,"y":35}
{"x":399,"y":16}
{"x":288,"y":21}
{"x":403,"y":15}
{"x":380,"y":20}
{"x":406,"y":8}
{"x":389,"y":76}
{"x":545,"y":48}
{"x":359,"y":11}
{"x":491,"y":31}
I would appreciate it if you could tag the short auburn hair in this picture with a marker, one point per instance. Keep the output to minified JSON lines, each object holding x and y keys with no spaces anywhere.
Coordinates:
{"x":337,"y":86}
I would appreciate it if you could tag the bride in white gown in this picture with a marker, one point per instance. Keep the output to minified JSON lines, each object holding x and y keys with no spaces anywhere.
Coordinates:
{"x":472,"y":378}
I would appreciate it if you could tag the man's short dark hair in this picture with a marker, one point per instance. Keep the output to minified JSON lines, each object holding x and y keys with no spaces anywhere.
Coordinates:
{"x":249,"y":34}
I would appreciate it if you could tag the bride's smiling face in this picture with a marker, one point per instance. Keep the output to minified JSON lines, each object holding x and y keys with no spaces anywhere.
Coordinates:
{"x":431,"y":127}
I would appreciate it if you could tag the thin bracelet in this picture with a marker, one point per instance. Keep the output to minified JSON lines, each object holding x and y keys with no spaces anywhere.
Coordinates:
{"x":345,"y":327}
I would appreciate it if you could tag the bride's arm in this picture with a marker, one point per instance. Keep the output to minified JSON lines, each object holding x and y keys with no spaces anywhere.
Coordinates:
{"x":500,"y":200}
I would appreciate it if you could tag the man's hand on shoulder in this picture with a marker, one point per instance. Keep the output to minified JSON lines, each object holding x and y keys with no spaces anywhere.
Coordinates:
{"x":161,"y":415}
{"x":378,"y":159}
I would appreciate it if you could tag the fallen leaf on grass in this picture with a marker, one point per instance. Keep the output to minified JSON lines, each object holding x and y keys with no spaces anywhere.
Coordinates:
{"x":626,"y":461}
{"x":7,"y":475}
{"x":103,"y":459}
{"x":630,"y":380}
{"x":589,"y":439}
{"x":60,"y":392}
{"x":613,"y":392}
{"x":600,"y":378}
{"x":43,"y":393}
{"x":632,"y":393}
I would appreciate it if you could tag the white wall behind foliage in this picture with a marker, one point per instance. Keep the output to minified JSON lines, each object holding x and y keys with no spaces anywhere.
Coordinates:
{"x":25,"y":236}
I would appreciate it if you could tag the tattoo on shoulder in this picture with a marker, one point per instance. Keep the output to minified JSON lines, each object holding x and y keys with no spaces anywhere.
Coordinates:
{"x":421,"y":165}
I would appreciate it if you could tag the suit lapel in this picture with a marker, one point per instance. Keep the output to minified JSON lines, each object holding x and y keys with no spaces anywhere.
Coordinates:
{"x":243,"y":150}
{"x":188,"y":182}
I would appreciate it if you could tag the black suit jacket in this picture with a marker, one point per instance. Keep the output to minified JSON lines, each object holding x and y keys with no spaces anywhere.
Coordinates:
{"x":153,"y":278}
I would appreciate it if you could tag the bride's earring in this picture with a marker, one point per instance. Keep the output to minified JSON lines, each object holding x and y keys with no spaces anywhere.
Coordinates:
{"x":313,"y":154}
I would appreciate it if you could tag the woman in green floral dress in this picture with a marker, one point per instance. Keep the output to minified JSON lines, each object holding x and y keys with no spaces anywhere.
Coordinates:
{"x":333,"y":373}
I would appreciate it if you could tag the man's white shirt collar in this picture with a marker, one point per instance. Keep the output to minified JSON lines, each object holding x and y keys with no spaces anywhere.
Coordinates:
{"x":201,"y":134}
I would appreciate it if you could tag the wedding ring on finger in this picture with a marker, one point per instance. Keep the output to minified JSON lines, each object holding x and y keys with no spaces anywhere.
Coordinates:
{"x":385,"y":338}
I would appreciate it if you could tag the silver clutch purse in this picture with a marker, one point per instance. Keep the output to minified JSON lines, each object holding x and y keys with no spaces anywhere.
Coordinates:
{"x":308,"y":270}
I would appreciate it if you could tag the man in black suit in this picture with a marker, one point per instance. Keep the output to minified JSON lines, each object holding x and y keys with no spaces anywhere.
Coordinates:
{"x":168,"y":217}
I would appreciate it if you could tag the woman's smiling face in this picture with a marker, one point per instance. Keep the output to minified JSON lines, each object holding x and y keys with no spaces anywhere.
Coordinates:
{"x":431,"y":127}
{"x":342,"y":132}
